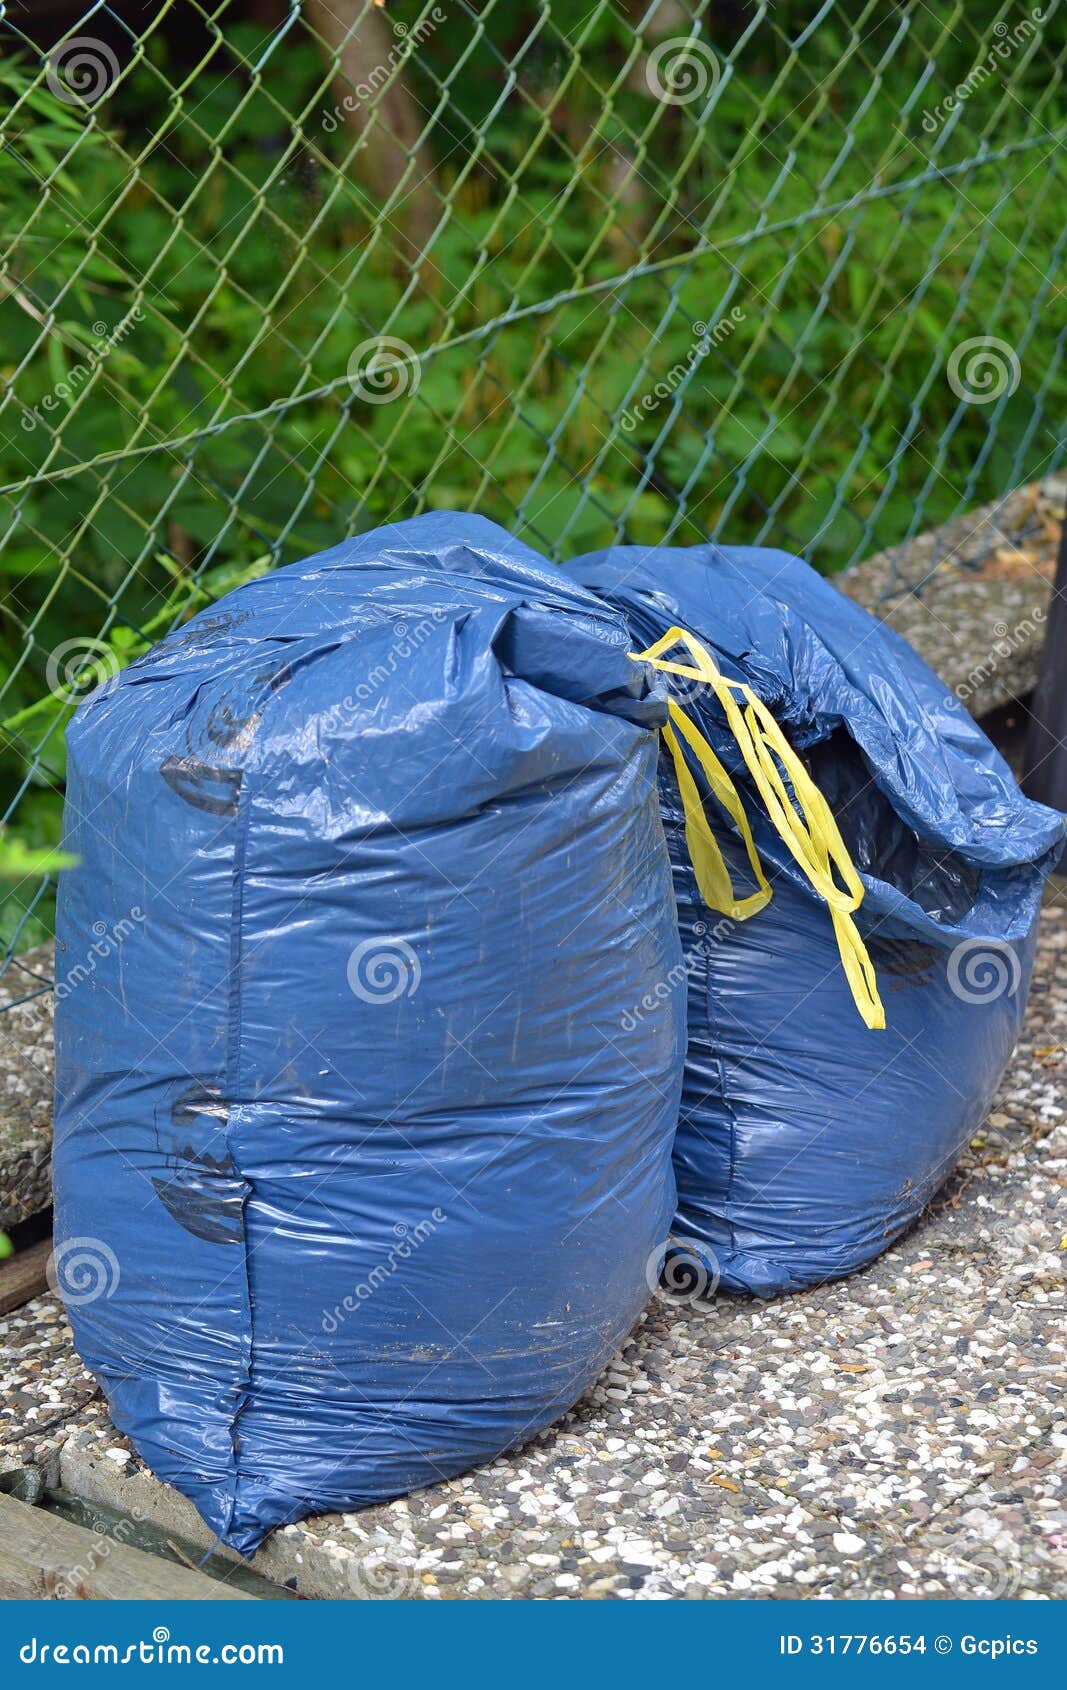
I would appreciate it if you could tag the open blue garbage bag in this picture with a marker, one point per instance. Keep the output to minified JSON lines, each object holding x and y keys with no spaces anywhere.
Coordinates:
{"x":807,"y":1141}
{"x":358,"y":1174}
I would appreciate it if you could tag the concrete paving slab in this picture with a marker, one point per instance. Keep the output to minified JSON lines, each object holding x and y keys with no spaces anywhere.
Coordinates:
{"x":972,"y":595}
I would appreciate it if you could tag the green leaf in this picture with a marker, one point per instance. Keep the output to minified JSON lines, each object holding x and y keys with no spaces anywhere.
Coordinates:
{"x":19,"y":861}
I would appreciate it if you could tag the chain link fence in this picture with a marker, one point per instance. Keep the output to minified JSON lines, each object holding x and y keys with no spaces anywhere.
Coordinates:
{"x":275,"y":272}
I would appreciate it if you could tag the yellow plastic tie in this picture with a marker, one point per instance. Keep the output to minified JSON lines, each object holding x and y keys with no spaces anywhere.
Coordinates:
{"x":812,"y":837}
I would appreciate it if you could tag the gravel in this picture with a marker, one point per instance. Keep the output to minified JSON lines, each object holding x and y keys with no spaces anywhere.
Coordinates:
{"x":45,"y":1392}
{"x":899,"y":1433}
{"x":27,"y":1069}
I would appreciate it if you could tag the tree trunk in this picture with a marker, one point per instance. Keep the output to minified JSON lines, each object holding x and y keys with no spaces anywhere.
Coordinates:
{"x":393,"y":157}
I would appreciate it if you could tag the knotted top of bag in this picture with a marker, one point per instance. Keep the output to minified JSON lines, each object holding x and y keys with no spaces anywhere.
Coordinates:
{"x":797,"y":810}
{"x":872,"y":721}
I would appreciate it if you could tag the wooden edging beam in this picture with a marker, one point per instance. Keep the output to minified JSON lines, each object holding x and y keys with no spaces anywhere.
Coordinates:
{"x":43,"y":1556}
{"x":24,"y":1275}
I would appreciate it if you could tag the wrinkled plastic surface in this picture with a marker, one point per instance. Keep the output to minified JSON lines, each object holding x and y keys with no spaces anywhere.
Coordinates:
{"x":373,"y":867}
{"x":807,"y":1142}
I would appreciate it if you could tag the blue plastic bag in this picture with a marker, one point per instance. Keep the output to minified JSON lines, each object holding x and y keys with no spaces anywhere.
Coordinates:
{"x":357,"y":1174}
{"x":808,"y":1142}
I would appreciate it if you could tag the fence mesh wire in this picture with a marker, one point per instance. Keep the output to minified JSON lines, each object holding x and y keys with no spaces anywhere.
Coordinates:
{"x":275,"y":272}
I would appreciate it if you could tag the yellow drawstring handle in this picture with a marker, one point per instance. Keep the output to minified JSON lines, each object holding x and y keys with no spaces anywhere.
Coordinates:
{"x":812,"y":836}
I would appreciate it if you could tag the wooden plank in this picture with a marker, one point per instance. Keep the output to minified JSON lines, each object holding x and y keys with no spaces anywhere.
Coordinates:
{"x":45,"y":1557}
{"x":24,"y":1276}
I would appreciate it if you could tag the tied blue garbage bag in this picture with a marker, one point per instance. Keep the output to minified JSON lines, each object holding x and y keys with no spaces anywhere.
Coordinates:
{"x":807,"y":1141}
{"x":358,"y":1174}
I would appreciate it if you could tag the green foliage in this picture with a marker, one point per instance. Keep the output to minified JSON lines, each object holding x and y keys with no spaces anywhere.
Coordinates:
{"x":19,"y":861}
